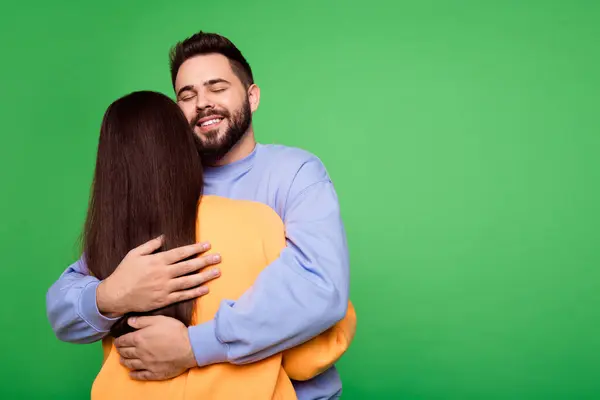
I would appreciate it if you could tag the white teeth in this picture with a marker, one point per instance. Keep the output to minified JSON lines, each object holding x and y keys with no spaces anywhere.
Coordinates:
{"x":210,"y":122}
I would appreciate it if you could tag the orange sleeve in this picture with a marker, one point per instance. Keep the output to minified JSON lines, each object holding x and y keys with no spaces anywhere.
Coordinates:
{"x":315,"y":356}
{"x":320,"y":353}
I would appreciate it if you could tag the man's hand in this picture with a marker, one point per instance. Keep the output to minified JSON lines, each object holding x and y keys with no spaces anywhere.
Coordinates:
{"x":160,"y":348}
{"x":145,"y":281}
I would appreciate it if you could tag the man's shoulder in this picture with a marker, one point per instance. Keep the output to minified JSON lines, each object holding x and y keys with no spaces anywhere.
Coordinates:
{"x":288,"y":160}
{"x":286,"y":172}
{"x":292,"y":154}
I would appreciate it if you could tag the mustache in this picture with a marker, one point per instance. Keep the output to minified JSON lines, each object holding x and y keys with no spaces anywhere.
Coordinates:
{"x":200,"y":115}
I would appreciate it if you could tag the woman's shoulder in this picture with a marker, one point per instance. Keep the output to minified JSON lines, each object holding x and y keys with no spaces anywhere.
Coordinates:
{"x":252,"y":227}
{"x":238,"y":210}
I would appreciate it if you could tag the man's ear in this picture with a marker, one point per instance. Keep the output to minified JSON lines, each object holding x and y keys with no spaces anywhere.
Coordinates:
{"x":253,"y":97}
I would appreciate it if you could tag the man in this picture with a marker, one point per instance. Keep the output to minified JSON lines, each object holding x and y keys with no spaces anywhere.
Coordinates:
{"x":300,"y":295}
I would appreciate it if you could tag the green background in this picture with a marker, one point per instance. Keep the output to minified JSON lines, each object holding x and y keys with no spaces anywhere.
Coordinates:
{"x":463,"y":138}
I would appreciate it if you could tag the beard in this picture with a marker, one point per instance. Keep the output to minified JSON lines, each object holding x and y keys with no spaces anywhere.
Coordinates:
{"x":213,"y":146}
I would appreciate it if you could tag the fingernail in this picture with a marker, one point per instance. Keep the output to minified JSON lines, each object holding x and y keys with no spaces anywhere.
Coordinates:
{"x":216,"y":258}
{"x":214,"y":271}
{"x":205,"y":246}
{"x":132,"y":320}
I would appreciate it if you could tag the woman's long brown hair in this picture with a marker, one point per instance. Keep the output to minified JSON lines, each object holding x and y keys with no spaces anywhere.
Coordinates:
{"x":148,"y":182}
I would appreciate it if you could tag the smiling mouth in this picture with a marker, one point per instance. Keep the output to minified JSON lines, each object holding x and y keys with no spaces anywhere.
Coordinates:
{"x":211,"y":122}
{"x":208,"y":124}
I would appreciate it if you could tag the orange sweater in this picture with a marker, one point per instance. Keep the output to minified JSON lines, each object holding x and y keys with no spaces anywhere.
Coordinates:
{"x":248,"y":236}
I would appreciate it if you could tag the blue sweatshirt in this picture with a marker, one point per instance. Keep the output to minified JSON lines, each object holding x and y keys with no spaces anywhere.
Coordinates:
{"x":297,"y":297}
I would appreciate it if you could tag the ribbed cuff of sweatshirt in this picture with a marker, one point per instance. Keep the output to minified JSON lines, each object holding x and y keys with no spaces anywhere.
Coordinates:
{"x":88,"y":308}
{"x":207,"y":348}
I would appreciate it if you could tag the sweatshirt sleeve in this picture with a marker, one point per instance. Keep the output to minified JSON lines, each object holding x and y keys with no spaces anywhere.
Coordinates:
{"x":71,"y":306}
{"x":314,"y":357}
{"x":300,"y":295}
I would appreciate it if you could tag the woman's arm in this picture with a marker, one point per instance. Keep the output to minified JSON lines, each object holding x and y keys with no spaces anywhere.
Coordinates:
{"x":322,"y":352}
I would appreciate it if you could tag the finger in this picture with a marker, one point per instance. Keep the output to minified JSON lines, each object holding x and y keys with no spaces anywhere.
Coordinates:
{"x":181,"y":253}
{"x":127,"y":352}
{"x":133,"y":364}
{"x":128,"y":340}
{"x":143,"y":375}
{"x":184,"y":295}
{"x":193,"y":265}
{"x":144,"y":322}
{"x":149,"y":247}
{"x":194,"y":280}
{"x":191,"y":281}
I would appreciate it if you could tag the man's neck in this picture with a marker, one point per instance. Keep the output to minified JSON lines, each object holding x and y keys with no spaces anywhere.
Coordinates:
{"x":241,"y":150}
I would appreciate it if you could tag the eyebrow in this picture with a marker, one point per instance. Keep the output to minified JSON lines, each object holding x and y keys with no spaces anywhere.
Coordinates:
{"x":215,"y":81}
{"x":207,"y":83}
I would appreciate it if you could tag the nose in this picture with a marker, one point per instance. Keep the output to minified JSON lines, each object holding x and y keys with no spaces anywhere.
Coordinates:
{"x":203,"y":102}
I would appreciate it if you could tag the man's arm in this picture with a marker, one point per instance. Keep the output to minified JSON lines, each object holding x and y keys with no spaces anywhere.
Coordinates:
{"x":298,"y":296}
{"x":71,"y":307}
{"x":80,"y":307}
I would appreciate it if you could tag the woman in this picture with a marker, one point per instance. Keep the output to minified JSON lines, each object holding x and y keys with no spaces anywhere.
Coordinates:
{"x":148,"y":182}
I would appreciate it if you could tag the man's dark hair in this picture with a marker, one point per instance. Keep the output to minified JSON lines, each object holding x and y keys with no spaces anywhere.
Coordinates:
{"x":210,"y":43}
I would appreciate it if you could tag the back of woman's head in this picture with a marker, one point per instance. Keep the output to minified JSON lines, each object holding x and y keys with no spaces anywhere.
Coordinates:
{"x":147,"y":183}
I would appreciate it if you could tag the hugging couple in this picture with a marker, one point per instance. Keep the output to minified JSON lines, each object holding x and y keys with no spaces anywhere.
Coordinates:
{"x":212,"y":267}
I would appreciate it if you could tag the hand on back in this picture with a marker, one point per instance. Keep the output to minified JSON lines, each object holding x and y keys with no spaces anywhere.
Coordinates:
{"x":145,"y":281}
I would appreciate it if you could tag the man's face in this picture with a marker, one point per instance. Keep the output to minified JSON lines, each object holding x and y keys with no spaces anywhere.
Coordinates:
{"x":215,"y":102}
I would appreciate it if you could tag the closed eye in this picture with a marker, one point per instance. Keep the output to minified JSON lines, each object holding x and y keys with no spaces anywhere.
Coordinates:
{"x":187,"y":96}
